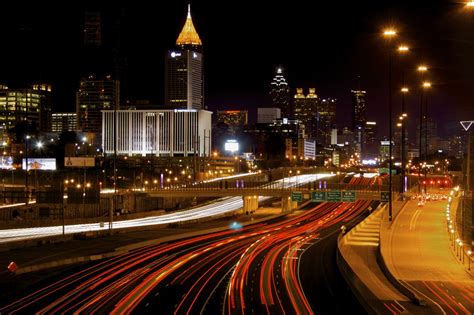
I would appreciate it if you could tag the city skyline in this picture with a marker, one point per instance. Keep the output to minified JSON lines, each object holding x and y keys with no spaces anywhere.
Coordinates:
{"x":336,"y":59}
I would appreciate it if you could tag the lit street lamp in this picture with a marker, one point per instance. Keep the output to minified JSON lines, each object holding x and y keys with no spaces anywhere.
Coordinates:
{"x":426,"y":85}
{"x":403,"y":117}
{"x":422,"y":69}
{"x":389,"y":34}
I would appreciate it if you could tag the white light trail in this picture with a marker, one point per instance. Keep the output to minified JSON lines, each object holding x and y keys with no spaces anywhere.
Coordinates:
{"x":222,"y":206}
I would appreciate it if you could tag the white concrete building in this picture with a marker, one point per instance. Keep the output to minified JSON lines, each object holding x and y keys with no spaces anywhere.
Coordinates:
{"x":178,"y":132}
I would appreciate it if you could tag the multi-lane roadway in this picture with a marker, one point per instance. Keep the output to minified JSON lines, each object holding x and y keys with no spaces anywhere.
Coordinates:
{"x":252,"y":269}
{"x":222,"y":206}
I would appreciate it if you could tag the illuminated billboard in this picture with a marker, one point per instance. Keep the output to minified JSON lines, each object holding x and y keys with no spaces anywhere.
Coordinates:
{"x":6,"y":162}
{"x":39,"y":164}
{"x":70,"y":161}
{"x":231,"y":146}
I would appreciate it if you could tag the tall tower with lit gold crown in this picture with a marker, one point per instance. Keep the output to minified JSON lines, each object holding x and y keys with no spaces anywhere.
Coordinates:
{"x":184,"y":81}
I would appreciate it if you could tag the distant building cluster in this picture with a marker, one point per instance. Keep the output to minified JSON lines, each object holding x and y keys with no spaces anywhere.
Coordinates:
{"x":295,"y":124}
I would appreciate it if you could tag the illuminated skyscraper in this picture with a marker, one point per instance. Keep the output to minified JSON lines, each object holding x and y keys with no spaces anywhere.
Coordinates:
{"x":94,"y":96}
{"x":31,"y":105}
{"x":280,"y":94}
{"x":429,"y":136}
{"x":370,"y":142}
{"x":358,"y":109}
{"x":306,"y":110}
{"x":234,"y":119}
{"x":64,"y":122}
{"x":325,"y":122}
{"x":358,"y":118}
{"x":184,"y":81}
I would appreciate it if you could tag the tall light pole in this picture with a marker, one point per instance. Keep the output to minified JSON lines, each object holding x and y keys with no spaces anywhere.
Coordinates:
{"x":426,"y":85}
{"x":403,"y":117}
{"x":403,"y":49}
{"x":389,"y":34}
{"x":422,"y":69}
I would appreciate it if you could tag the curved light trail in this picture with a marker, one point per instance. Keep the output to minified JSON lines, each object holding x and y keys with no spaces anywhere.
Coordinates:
{"x":220,"y":207}
{"x":188,"y":275}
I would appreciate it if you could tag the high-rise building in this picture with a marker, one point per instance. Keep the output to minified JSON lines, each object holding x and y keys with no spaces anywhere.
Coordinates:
{"x":370,"y":147}
{"x":266,"y":115}
{"x":358,"y":119}
{"x":358,"y":109}
{"x":184,"y":81}
{"x":64,"y":122}
{"x":280,"y":94}
{"x":102,"y":52}
{"x":44,"y":90}
{"x":32,"y":105}
{"x":429,"y":134}
{"x":306,"y":110}
{"x":92,"y":28}
{"x":325,"y":122}
{"x":456,"y":147}
{"x":234,"y":119}
{"x":92,"y":97}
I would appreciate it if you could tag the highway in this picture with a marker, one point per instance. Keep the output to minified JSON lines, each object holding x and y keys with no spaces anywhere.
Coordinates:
{"x":425,"y":263}
{"x":254,"y":268}
{"x":222,"y":206}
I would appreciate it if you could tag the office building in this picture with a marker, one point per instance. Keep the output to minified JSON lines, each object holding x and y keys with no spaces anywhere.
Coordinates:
{"x":63,"y":122}
{"x":370,"y":144}
{"x":266,"y":115}
{"x":184,"y":81}
{"x":358,"y":109}
{"x":92,"y":28}
{"x":306,"y":110}
{"x":234,"y":119}
{"x":165,"y":133}
{"x":31,"y":105}
{"x":429,"y":134}
{"x":280,"y":94}
{"x":325,"y":122}
{"x":92,"y":97}
{"x":358,"y":118}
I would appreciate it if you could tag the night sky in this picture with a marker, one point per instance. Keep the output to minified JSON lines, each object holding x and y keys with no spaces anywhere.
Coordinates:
{"x":325,"y":45}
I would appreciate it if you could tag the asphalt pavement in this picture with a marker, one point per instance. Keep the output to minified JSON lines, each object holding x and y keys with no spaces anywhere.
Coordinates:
{"x":416,"y":248}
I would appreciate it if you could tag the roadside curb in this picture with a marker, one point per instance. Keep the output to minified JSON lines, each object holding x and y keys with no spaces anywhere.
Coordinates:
{"x":358,"y":287}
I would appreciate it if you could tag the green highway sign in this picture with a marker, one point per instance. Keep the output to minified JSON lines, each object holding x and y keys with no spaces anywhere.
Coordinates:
{"x":384,"y":196}
{"x":384,"y":170}
{"x":296,"y":196}
{"x":334,"y":196}
{"x":318,"y":196}
{"x":348,"y":196}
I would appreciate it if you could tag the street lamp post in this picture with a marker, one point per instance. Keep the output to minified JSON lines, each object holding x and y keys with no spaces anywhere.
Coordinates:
{"x":469,"y":253}
{"x":426,"y":85}
{"x":389,"y":34}
{"x":422,"y":69}
{"x":404,"y":90}
{"x":26,"y":170}
{"x":403,"y":49}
